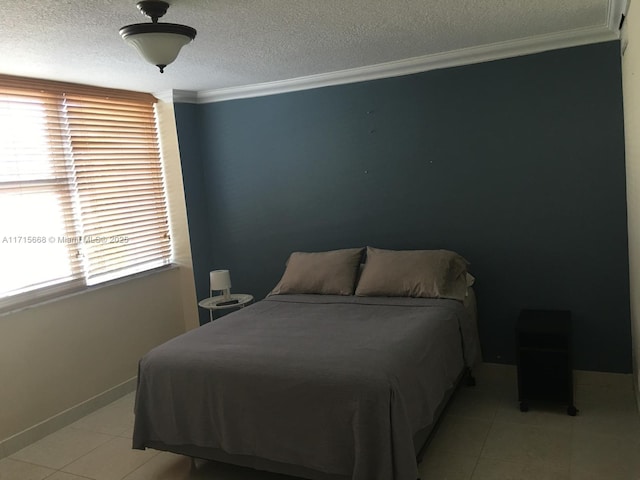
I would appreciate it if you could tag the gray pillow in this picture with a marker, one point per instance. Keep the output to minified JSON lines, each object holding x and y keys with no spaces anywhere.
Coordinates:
{"x":323,"y":273}
{"x":413,"y":273}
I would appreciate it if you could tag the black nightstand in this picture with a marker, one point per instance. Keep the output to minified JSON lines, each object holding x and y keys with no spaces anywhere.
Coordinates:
{"x":545,"y":371}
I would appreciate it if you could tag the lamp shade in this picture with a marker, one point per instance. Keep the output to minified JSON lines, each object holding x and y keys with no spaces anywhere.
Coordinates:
{"x":220,"y":280}
{"x":158,"y":43}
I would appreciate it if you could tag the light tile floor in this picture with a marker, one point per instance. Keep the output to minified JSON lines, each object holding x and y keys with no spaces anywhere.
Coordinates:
{"x":483,"y":436}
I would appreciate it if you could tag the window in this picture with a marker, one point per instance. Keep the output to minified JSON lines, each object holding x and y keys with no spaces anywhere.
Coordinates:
{"x":82,"y":196}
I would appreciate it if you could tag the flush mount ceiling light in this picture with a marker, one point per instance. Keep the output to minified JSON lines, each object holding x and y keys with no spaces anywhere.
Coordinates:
{"x":158,"y":43}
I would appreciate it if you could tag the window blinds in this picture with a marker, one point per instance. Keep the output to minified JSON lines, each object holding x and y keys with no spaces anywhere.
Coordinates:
{"x":81,"y":186}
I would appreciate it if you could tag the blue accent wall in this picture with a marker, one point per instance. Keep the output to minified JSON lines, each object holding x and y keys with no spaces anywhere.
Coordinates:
{"x":195,"y":185}
{"x":516,"y":164}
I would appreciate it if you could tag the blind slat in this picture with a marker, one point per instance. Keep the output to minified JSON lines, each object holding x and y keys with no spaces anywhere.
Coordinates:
{"x":117,"y":196}
{"x":143,"y":243}
{"x":107,"y":214}
{"x":122,"y":233}
{"x":116,"y":264}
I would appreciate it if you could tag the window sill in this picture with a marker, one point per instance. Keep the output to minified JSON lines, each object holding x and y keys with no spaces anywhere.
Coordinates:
{"x":72,"y":292}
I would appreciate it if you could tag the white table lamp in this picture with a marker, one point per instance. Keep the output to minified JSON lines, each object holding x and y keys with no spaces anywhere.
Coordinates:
{"x":221,"y":280}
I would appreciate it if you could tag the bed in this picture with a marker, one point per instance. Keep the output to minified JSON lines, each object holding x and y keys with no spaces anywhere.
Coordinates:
{"x":320,"y":386}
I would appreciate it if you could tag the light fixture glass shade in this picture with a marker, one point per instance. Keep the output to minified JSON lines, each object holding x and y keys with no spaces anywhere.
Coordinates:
{"x":220,"y":280}
{"x":158,"y":49}
{"x":157,"y":43}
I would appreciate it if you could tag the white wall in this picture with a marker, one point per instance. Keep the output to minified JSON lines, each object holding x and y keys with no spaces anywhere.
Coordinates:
{"x":177,"y":211}
{"x":62,"y":358}
{"x":62,"y":353}
{"x":631,"y":91}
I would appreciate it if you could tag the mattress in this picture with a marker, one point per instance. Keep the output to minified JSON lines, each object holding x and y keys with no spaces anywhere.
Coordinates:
{"x":336,"y":385}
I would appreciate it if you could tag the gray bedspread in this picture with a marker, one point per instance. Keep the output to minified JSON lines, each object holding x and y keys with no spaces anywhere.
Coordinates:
{"x":335,"y":384}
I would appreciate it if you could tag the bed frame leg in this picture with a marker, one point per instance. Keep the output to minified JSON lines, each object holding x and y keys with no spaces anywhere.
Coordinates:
{"x":469,"y":378}
{"x":197,"y":463}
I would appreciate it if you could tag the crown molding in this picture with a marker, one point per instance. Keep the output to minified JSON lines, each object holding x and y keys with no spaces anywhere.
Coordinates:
{"x":185,"y":96}
{"x":485,"y":53}
{"x":177,"y":96}
{"x":165,"y":96}
{"x":617,"y":8}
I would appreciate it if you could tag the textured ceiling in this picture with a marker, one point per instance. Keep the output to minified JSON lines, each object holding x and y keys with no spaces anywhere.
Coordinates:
{"x":245,"y":42}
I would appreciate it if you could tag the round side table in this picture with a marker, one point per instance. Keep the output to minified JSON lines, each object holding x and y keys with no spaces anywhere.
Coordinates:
{"x":214,"y":303}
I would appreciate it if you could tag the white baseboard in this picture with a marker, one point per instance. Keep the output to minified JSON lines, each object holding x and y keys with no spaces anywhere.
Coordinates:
{"x":34,"y":433}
